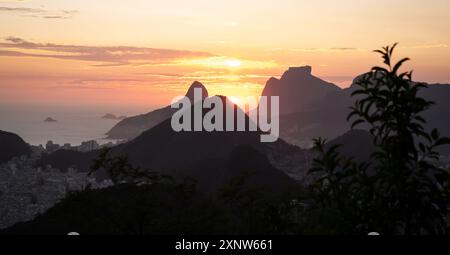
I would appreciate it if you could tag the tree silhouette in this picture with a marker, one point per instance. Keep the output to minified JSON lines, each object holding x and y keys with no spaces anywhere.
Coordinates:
{"x":120,"y":170}
{"x":402,"y":190}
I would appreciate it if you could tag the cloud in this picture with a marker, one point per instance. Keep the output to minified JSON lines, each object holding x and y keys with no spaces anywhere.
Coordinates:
{"x":39,"y":13}
{"x":167,"y":75}
{"x":273,"y":49}
{"x":334,"y":49}
{"x":104,"y":56}
{"x":55,"y":17}
{"x":339,"y":49}
{"x":430,"y":46}
{"x":344,"y":49}
{"x":20,"y":9}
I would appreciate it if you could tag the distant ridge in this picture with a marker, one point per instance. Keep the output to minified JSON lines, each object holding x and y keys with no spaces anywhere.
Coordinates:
{"x":311,"y":107}
{"x":11,"y":145}
{"x":157,"y":147}
{"x":110,"y":116}
{"x":355,"y":143}
{"x":131,"y":127}
{"x":298,"y":89}
{"x":209,"y":157}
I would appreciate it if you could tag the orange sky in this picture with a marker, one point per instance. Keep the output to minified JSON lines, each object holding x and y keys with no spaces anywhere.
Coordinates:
{"x":146,"y":52}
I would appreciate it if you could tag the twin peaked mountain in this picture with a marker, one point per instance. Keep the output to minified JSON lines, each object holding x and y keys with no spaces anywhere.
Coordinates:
{"x":131,"y":127}
{"x":297,"y":89}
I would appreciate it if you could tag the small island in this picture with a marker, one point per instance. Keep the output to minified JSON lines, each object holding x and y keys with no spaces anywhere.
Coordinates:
{"x":50,"y":120}
{"x":110,"y":116}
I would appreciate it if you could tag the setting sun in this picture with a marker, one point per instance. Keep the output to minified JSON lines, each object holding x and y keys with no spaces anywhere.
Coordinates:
{"x":233,"y":63}
{"x":217,"y":62}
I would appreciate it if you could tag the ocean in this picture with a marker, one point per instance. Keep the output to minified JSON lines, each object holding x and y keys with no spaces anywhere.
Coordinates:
{"x":74,"y":124}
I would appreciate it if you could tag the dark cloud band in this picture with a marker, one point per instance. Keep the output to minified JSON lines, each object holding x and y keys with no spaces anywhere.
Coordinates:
{"x":105,"y":56}
{"x":39,"y":13}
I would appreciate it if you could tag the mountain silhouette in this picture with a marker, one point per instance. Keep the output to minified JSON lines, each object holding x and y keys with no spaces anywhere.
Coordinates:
{"x":163,"y":149}
{"x":212,"y":158}
{"x":11,"y":145}
{"x":326,"y":111}
{"x":131,"y":127}
{"x":355,"y":143}
{"x":196,"y":85}
{"x":298,"y":89}
{"x":243,"y":160}
{"x":110,"y":116}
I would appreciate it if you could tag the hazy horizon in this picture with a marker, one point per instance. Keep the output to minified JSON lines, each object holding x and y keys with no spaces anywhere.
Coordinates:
{"x":140,"y":52}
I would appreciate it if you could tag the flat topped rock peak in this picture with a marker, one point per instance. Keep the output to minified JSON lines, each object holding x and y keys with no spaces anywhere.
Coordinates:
{"x":297,"y":72}
{"x":301,"y":69}
{"x":299,"y":90}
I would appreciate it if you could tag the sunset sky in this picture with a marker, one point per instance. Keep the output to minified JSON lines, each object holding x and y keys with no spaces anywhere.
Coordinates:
{"x":142,"y":52}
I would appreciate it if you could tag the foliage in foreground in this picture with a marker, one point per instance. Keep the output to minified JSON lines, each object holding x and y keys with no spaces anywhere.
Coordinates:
{"x":401,"y":190}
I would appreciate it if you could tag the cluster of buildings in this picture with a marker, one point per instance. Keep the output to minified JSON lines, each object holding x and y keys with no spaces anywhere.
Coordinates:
{"x":26,"y":190}
{"x":294,"y":163}
{"x":86,"y":146}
